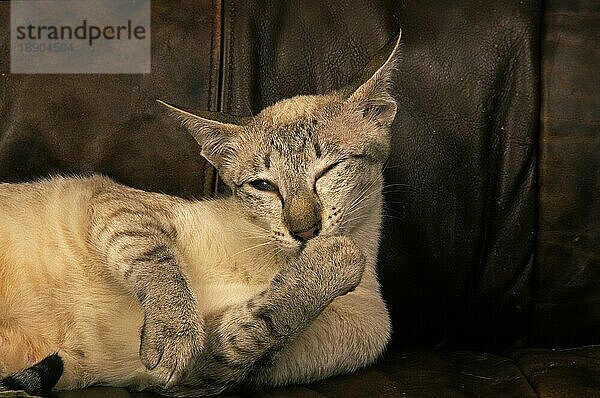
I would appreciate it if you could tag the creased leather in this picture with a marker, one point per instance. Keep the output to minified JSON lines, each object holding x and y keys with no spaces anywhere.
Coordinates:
{"x":566,"y":311}
{"x":111,"y":124}
{"x":568,"y":373}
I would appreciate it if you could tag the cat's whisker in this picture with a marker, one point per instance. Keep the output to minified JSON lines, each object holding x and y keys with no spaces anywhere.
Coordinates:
{"x":276,"y":251}
{"x":396,"y":191}
{"x":351,"y":220}
{"x":363,"y":198}
{"x":252,"y":248}
{"x":398,"y":184}
{"x":355,"y":213}
{"x":249,"y":234}
{"x":398,"y":188}
{"x":385,"y":165}
{"x":365,"y":191}
{"x":395,"y":202}
{"x":254,"y":238}
{"x":386,"y":213}
{"x":392,"y":217}
{"x":359,"y":207}
{"x":388,"y":167}
{"x":249,"y":229}
{"x":250,"y":111}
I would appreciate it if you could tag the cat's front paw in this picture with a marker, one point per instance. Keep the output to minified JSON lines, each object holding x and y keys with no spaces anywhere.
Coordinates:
{"x":338,"y":263}
{"x":169,"y":344}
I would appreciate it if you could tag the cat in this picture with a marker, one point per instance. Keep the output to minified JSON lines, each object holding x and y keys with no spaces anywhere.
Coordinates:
{"x":103,"y":284}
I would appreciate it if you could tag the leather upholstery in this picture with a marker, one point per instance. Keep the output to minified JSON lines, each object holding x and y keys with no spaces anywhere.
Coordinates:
{"x":111,"y":123}
{"x":457,"y":253}
{"x":492,"y":224}
{"x":566,"y":309}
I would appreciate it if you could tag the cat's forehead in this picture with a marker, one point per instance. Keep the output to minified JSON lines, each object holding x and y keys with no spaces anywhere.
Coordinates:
{"x":290,"y":125}
{"x":297,"y":110}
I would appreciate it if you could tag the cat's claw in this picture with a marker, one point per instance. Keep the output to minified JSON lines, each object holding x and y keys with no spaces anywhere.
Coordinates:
{"x":169,"y":346}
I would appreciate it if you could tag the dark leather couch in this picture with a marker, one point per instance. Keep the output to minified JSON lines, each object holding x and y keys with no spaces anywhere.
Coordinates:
{"x":490,"y":261}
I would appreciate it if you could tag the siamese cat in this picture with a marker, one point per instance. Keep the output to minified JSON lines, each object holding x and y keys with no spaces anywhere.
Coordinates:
{"x":102,"y":284}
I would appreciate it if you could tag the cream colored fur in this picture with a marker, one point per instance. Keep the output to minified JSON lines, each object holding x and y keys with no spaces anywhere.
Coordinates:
{"x":56,"y":297}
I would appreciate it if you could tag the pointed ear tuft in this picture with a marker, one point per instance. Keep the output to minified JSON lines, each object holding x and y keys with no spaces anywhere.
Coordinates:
{"x":370,"y":90}
{"x":212,"y":130}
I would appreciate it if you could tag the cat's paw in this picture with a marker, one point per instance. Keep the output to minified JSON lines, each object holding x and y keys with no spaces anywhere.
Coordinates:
{"x":168,"y":346}
{"x":337,"y":262}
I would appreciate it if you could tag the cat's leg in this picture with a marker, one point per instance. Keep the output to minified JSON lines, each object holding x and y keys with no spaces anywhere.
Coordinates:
{"x":136,"y":243}
{"x":350,"y":333}
{"x":256,"y":333}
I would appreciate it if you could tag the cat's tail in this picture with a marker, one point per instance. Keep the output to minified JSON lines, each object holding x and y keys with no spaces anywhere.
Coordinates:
{"x":37,"y":380}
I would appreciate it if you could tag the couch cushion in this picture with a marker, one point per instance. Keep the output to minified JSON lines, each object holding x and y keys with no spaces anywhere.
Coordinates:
{"x":567,"y":299}
{"x":569,"y":373}
{"x":399,"y":374}
{"x":112,"y":124}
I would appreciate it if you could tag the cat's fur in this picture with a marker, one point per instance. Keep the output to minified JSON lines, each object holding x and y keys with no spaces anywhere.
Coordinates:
{"x":150,"y":291}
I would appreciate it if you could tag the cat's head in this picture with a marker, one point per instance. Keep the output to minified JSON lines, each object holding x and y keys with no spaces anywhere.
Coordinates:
{"x":307,"y":165}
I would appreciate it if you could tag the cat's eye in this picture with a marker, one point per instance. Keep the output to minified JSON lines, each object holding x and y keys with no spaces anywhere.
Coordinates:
{"x":328,"y":169}
{"x":263,"y":185}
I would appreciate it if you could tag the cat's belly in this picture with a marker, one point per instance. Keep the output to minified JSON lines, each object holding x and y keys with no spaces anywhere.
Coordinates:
{"x":94,"y":327}
{"x":112,"y":338}
{"x":53,"y":300}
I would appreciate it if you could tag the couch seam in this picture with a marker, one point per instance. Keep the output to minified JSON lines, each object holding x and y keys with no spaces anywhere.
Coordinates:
{"x":211,"y":62}
{"x":225,"y":69}
{"x":535,"y":391}
{"x":220,"y":76}
{"x":538,"y":167}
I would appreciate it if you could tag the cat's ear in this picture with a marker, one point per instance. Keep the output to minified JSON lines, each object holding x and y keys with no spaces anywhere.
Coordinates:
{"x":369,"y":91}
{"x":212,"y":130}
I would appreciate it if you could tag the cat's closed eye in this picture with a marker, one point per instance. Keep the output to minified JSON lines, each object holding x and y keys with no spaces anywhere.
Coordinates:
{"x":334,"y":165}
{"x":329,"y":168}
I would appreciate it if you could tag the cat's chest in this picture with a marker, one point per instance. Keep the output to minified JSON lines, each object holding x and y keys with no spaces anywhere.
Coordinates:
{"x":223,"y":264}
{"x":222,"y":274}
{"x":219,"y":281}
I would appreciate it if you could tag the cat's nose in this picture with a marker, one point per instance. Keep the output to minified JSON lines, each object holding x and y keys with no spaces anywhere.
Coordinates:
{"x":302,"y":216}
{"x":308,"y":234}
